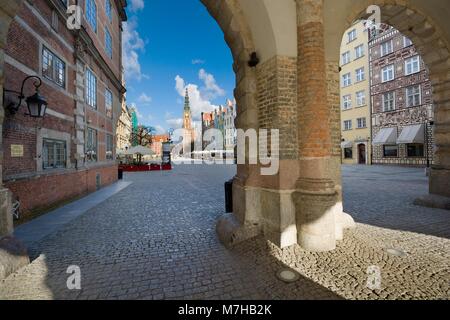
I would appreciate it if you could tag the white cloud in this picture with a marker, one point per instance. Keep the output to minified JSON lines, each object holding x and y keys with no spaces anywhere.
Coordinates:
{"x":160,"y":130}
{"x":136,"y":5}
{"x":198,"y":61}
{"x":198,"y":103}
{"x":132,"y":45}
{"x":211,"y":89}
{"x":175,"y":123}
{"x":144,"y":99}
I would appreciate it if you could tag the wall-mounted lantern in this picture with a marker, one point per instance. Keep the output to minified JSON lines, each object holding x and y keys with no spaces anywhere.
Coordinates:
{"x":37,"y":105}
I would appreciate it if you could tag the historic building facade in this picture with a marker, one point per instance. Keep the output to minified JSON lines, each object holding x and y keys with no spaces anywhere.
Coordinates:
{"x":71,"y":150}
{"x":355,"y":95}
{"x":229,"y":129}
{"x":157,"y":144}
{"x":402,"y":97}
{"x":286,"y":57}
{"x":124,"y":128}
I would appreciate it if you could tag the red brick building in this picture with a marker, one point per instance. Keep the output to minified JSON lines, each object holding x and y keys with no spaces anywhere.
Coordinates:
{"x":402,"y":102}
{"x":157,"y":143}
{"x":70,"y":151}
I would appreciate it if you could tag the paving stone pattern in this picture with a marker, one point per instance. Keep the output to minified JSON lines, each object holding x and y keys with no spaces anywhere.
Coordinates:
{"x":156,"y":240}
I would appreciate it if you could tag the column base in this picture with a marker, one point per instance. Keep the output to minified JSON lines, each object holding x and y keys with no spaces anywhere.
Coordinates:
{"x":231,"y":232}
{"x":13,"y":256}
{"x":6,"y":218}
{"x":433,"y":201}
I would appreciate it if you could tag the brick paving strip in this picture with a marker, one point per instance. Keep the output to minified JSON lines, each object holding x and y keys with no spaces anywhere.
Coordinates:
{"x":156,"y":239}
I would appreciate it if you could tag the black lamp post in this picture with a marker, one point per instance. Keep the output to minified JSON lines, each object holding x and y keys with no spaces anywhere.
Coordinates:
{"x":427,"y":136}
{"x":37,"y":105}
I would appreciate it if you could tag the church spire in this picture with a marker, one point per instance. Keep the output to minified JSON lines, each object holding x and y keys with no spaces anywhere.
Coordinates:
{"x":187,"y":104}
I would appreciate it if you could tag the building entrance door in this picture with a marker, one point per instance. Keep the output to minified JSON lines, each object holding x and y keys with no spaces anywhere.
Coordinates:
{"x":362,"y":154}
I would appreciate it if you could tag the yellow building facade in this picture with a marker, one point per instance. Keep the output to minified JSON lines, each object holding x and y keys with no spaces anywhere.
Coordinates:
{"x":355,"y":96}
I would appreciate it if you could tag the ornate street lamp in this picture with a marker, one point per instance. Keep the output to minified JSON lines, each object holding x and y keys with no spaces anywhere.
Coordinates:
{"x":37,"y":105}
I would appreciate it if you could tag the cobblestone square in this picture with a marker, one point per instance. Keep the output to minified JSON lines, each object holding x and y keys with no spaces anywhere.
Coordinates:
{"x":156,"y":239}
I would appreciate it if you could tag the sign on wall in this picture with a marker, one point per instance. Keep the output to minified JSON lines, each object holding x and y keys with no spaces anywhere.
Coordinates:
{"x":16,"y":150}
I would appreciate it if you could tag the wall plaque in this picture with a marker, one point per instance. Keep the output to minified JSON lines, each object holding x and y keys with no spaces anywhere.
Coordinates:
{"x":16,"y":150}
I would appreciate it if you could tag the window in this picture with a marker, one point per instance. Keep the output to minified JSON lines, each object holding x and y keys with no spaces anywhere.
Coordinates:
{"x":362,"y":123}
{"x":361,"y":98}
{"x":347,"y":102}
{"x":109,"y":147}
{"x":348,"y":125}
{"x":415,"y":150}
{"x":387,"y":48}
{"x":351,"y":35}
{"x":53,"y":154}
{"x":108,"y":9}
{"x":413,"y":96}
{"x":389,"y":101}
{"x":387,"y":73}
{"x":390,"y":151}
{"x":64,"y":2}
{"x":347,"y":80}
{"x":360,"y":75}
{"x":407,"y":42}
{"x":91,"y":145}
{"x":53,"y":68}
{"x":91,"y":89}
{"x":359,"y":51}
{"x":108,"y":103}
{"x":348,"y":153}
{"x":412,"y":65}
{"x":91,"y":13}
{"x":108,"y":43}
{"x":346,"y":58}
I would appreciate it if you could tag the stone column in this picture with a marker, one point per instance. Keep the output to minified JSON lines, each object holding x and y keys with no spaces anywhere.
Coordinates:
{"x":318,"y":196}
{"x":440,"y":171}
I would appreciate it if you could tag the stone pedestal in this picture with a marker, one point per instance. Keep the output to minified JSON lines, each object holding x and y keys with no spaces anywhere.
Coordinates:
{"x":6,"y":218}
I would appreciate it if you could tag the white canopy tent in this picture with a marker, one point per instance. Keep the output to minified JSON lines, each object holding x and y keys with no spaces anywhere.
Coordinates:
{"x":139,"y":150}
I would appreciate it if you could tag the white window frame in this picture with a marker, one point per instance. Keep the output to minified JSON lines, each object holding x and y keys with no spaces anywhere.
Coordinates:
{"x":352,"y":35}
{"x":361,"y":98}
{"x":361,"y":123}
{"x":347,"y":80}
{"x":45,"y":154}
{"x":348,"y":125}
{"x":387,"y":45}
{"x":91,"y":89}
{"x":360,"y":74}
{"x":390,"y":100}
{"x":346,"y":58}
{"x":56,"y":64}
{"x":347,"y":102}
{"x":385,"y":71}
{"x":359,"y":51}
{"x":408,"y":95}
{"x":411,"y":62}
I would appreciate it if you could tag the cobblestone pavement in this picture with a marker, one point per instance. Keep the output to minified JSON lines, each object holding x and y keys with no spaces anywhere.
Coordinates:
{"x":156,"y":240}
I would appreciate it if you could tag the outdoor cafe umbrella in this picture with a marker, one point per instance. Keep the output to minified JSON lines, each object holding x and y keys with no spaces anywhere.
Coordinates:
{"x":140,"y":150}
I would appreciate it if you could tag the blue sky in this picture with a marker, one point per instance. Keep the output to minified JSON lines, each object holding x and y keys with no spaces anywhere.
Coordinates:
{"x":170,"y":46}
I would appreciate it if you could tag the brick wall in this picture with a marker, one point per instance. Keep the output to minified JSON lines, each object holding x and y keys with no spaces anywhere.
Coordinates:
{"x":46,"y":191}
